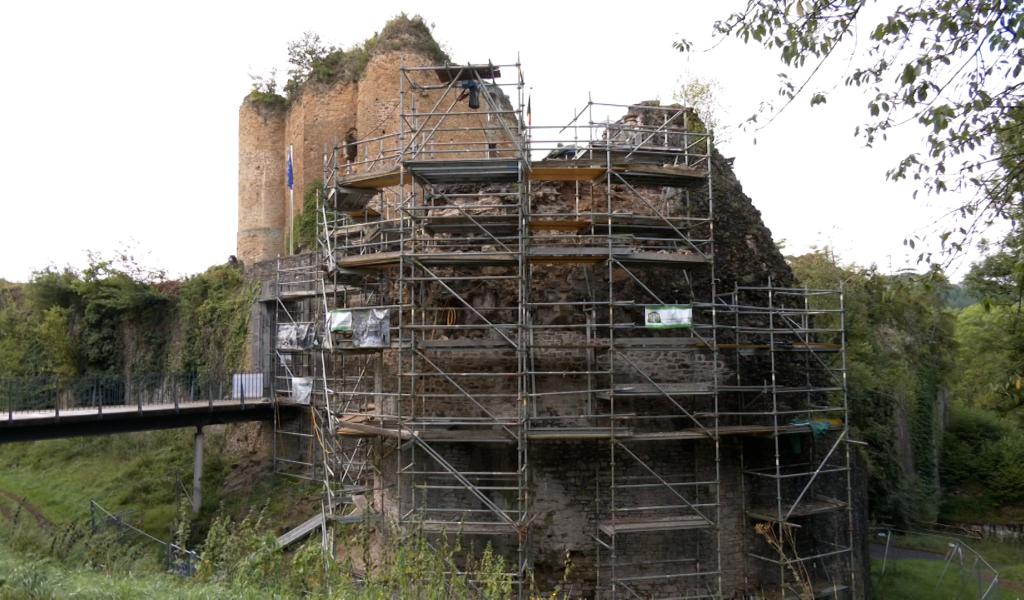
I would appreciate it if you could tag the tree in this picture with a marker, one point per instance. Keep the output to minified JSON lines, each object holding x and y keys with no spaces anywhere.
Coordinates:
{"x":899,"y":353}
{"x":703,"y":96}
{"x":305,"y":53}
{"x":953,"y":67}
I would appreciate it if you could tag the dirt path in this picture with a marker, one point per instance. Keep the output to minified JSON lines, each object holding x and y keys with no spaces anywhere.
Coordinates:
{"x":37,"y":514}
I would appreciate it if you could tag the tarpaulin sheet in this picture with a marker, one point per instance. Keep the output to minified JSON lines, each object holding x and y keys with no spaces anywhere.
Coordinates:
{"x":295,"y":336}
{"x":360,"y":328}
{"x":302,"y":389}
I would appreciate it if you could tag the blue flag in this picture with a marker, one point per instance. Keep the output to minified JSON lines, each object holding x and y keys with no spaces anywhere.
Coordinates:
{"x":291,"y":173}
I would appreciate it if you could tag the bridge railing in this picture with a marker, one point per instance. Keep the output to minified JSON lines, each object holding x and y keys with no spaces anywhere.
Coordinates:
{"x":106,"y":392}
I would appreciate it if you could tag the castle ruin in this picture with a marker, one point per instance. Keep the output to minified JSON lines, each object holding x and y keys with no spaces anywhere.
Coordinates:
{"x":575,"y":343}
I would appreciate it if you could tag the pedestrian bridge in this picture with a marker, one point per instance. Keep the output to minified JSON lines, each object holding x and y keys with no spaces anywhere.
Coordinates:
{"x":40,"y":408}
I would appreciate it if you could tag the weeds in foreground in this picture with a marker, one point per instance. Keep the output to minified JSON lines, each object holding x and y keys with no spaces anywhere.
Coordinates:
{"x":784,"y":542}
{"x":240,"y":558}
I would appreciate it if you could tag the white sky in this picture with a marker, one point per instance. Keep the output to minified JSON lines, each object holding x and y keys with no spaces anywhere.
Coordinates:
{"x":119,"y":121}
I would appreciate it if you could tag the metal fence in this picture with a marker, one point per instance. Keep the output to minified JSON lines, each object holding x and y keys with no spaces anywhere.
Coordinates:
{"x":962,"y":564}
{"x":49,"y":393}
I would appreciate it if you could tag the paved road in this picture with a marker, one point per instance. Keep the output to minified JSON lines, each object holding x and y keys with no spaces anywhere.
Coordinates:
{"x":895,"y":553}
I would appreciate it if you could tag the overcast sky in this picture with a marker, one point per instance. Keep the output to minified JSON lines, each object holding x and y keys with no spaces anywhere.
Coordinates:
{"x":119,"y":121}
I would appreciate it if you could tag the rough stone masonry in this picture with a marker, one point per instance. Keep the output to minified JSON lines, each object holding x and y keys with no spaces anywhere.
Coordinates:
{"x":568,"y":479}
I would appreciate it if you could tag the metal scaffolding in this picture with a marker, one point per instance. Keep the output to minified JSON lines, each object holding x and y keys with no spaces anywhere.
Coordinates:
{"x":485,"y":290}
{"x":788,"y":355}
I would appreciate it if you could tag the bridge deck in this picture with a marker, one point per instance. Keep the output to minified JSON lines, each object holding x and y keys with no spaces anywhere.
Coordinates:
{"x":27,"y":425}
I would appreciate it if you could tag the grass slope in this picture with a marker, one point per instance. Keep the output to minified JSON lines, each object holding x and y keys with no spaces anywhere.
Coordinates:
{"x":137,"y":474}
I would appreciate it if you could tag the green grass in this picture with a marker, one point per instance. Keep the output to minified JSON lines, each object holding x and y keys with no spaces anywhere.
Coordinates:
{"x":136,"y":473}
{"x":132,"y":472}
{"x":33,"y":577}
{"x":922,"y":580}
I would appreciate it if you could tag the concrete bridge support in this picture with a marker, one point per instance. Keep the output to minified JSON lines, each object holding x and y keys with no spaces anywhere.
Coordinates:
{"x":197,"y":472}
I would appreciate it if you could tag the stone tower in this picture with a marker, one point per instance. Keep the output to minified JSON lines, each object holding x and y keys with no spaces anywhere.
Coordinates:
{"x":361,"y":98}
{"x":261,"y":179}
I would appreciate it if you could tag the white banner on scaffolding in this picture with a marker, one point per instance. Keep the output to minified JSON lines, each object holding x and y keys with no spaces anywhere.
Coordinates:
{"x":302,"y":389}
{"x":668,"y":316}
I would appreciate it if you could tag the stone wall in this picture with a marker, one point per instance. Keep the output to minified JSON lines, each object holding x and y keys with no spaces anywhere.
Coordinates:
{"x":317,"y":121}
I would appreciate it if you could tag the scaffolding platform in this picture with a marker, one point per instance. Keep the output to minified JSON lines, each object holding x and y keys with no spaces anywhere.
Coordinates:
{"x":782,"y":346}
{"x":661,"y":175}
{"x":638,"y":525}
{"x":483,"y":170}
{"x":643,"y":225}
{"x":536,"y":255}
{"x":499,"y":170}
{"x":806,"y":508}
{"x":448,"y":74}
{"x":351,"y":199}
{"x":560,"y":171}
{"x":464,"y":528}
{"x":312,"y":291}
{"x":372,"y":180}
{"x":630,"y":434}
{"x":571,"y":225}
{"x":661,"y":390}
{"x":496,"y":225}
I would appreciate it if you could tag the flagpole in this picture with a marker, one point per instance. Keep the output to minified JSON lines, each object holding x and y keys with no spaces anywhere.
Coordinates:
{"x":291,"y":203}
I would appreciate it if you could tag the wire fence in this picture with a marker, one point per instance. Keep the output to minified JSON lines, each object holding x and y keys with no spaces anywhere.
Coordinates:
{"x":963,"y":566}
{"x":177,"y":559}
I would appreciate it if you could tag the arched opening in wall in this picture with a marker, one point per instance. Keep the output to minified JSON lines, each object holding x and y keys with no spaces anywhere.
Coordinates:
{"x":351,"y":147}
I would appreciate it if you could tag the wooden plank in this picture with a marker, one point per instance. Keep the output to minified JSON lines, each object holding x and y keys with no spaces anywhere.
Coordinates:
{"x":373,"y":179}
{"x":363,"y":214}
{"x":575,"y":433}
{"x":559,"y":225}
{"x":303,"y":530}
{"x":806,"y":508}
{"x":465,"y":528}
{"x":466,"y":73}
{"x":657,"y":257}
{"x":540,"y":172}
{"x":659,"y":524}
{"x":647,"y":390}
{"x":376,"y":259}
{"x":538,"y":255}
{"x":492,"y":436}
{"x":353,"y":428}
{"x":658,"y":171}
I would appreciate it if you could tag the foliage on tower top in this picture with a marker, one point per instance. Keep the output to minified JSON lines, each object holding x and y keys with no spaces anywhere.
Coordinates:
{"x":313,"y":61}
